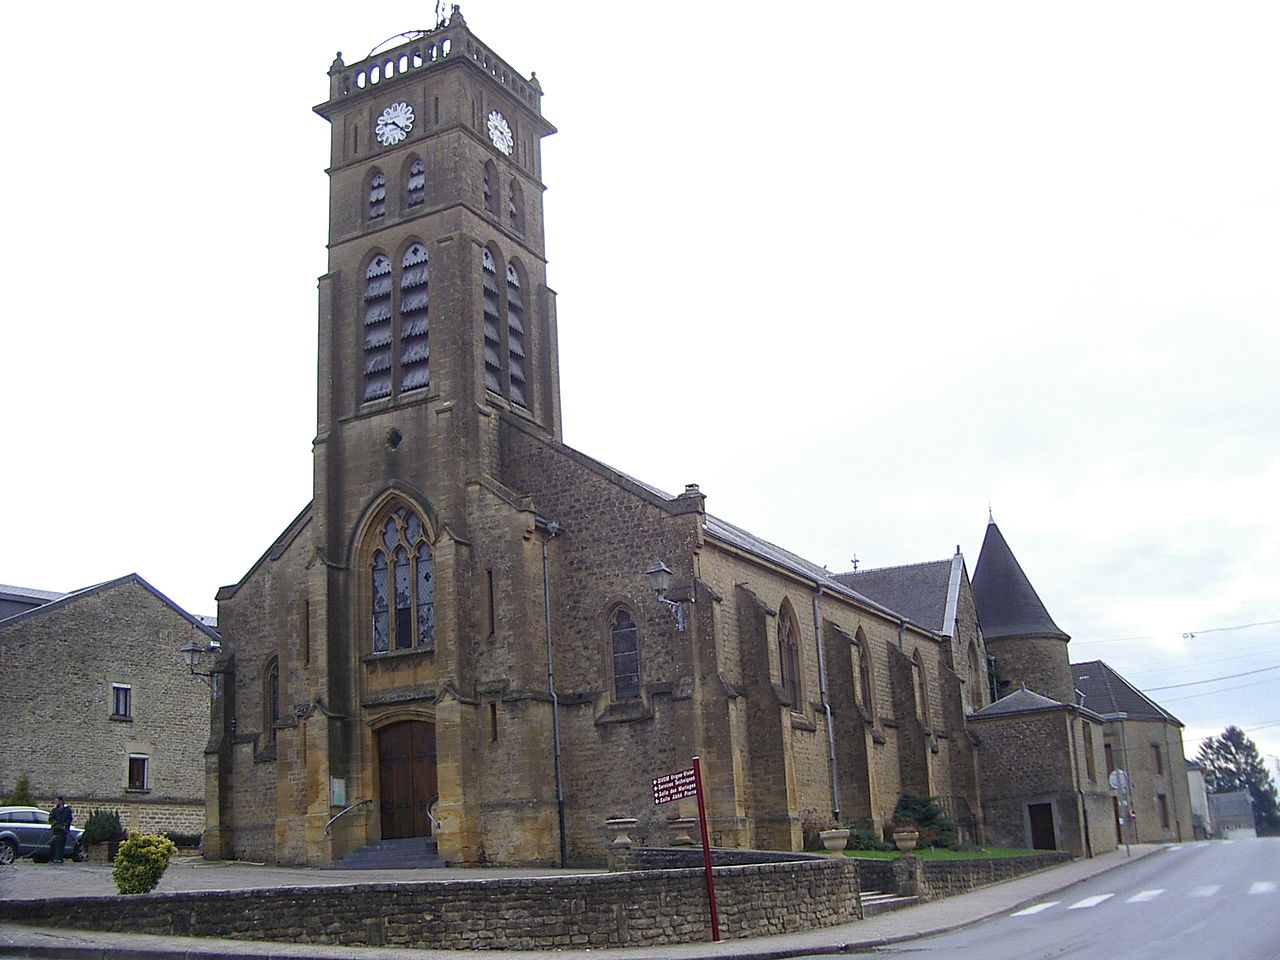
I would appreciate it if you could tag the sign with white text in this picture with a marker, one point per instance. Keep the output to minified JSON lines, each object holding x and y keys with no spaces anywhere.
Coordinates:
{"x":675,"y":786}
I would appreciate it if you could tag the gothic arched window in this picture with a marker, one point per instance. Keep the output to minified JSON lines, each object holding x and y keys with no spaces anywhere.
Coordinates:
{"x":377,"y":328}
{"x":977,"y":679}
{"x":921,"y":688}
{"x":415,"y":184}
{"x":490,"y":185}
{"x":515,"y":206}
{"x":515,"y":336}
{"x":271,"y":698}
{"x":377,"y":195}
{"x":625,"y":642}
{"x":864,"y":675}
{"x":403,"y":588}
{"x":414,"y":351}
{"x":789,"y":656}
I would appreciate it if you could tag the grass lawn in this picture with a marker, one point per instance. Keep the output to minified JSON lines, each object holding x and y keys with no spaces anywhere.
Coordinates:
{"x":936,"y":853}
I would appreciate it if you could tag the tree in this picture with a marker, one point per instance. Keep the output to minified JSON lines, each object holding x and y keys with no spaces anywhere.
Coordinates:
{"x":1231,"y":762}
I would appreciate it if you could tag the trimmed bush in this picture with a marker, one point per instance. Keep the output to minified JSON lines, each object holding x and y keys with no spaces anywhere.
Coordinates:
{"x":141,"y":862}
{"x":103,"y":825}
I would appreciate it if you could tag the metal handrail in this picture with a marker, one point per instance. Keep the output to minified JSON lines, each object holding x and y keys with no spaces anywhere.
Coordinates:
{"x":431,"y":805}
{"x":358,"y":803}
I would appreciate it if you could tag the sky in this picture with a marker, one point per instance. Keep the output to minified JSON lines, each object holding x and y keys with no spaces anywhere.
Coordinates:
{"x":862,"y":271}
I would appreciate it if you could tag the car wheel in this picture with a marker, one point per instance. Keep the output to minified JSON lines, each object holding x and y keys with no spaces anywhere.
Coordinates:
{"x":79,"y":854}
{"x":8,"y":852}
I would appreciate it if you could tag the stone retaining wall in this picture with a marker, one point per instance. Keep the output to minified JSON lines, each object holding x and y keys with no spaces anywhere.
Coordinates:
{"x":935,"y":879}
{"x":640,"y":908}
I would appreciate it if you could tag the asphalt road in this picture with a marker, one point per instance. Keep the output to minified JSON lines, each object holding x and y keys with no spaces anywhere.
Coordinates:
{"x":1201,"y":901}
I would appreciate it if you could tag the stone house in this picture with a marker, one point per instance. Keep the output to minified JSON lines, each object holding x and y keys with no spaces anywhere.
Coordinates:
{"x":1044,"y":781}
{"x":1145,"y":740}
{"x":458,"y":642}
{"x":128,"y":726}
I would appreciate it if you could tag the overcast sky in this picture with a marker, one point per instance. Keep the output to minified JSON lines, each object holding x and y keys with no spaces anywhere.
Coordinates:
{"x":859,"y":270}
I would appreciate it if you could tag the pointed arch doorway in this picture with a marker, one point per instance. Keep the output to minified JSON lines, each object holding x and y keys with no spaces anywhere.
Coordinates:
{"x":406,"y":778}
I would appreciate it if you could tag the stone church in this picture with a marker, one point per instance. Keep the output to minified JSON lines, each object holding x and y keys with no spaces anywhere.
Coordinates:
{"x":486,"y":642}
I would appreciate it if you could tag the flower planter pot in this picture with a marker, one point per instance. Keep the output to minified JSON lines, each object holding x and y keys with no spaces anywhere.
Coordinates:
{"x":834,"y":840}
{"x":621,"y":827}
{"x":683,"y":828}
{"x":905,"y":840}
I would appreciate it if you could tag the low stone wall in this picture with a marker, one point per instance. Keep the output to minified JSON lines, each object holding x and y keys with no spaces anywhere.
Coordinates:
{"x":640,"y":908}
{"x":674,"y":858}
{"x":935,"y":879}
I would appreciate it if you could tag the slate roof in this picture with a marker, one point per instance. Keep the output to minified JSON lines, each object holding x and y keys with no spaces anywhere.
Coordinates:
{"x":1007,"y":603}
{"x":1020,"y":701}
{"x":918,"y":591}
{"x":1106,"y":692}
{"x":1237,"y":805}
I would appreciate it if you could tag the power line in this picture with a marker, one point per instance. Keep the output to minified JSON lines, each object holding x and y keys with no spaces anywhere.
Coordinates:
{"x":1196,"y":683}
{"x":1189,"y":635}
{"x":1214,"y":693}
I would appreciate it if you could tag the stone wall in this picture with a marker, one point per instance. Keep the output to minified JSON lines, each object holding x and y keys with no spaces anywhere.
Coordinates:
{"x":935,"y":879}
{"x":645,"y":908}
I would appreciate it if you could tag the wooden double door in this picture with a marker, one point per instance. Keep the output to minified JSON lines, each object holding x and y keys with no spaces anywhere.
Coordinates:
{"x":406,"y":778}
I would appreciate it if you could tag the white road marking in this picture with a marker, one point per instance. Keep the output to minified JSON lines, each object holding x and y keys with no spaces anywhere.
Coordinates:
{"x":1088,"y":902}
{"x":1263,"y":886}
{"x":1205,"y":891}
{"x":1144,"y":896}
{"x":1176,"y":847}
{"x":1036,"y":909}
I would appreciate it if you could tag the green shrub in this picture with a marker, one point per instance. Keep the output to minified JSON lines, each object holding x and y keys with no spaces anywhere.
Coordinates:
{"x":141,"y":862}
{"x":103,"y":825}
{"x":927,"y":816}
{"x":21,"y":796}
{"x":184,"y":839}
{"x":863,"y":837}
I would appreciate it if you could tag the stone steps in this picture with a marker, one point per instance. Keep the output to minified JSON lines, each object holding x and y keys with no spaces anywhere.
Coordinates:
{"x":409,"y":853}
{"x":876,"y":902}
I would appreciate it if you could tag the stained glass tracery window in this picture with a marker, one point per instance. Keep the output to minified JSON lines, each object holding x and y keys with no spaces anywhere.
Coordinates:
{"x":403,"y":589}
{"x":625,"y":639}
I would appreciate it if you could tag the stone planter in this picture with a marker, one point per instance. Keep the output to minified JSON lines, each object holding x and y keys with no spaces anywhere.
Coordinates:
{"x":834,"y":840}
{"x":683,"y":828}
{"x":905,"y":840}
{"x":621,"y":827}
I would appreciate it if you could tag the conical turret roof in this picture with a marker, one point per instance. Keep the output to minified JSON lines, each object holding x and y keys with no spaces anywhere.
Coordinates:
{"x":1007,"y":603}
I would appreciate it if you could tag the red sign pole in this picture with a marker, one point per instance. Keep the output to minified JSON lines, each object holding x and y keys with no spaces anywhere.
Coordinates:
{"x":706,"y":851}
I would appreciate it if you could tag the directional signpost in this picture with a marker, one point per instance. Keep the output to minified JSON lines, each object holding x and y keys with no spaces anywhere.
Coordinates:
{"x":677,"y":786}
{"x":1119,"y":780}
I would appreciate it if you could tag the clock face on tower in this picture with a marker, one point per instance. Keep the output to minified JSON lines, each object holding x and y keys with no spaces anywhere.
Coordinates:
{"x":500,"y":132}
{"x":394,"y":124}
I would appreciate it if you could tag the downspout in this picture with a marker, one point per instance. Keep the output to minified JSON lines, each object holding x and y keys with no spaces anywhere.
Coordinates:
{"x":553,"y":529}
{"x":1075,"y":776}
{"x":826,"y":706}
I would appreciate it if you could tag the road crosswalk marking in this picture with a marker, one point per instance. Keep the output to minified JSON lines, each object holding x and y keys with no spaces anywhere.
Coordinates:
{"x":1088,"y":902}
{"x":1263,"y":886}
{"x":1208,"y":891}
{"x":1144,"y":896}
{"x":1036,"y":909}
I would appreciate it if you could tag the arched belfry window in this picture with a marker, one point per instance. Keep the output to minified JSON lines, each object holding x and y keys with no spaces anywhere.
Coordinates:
{"x":516,"y":336}
{"x":492,"y":334}
{"x":403,"y":587}
{"x":377,"y":328}
{"x":625,"y":642}
{"x":789,"y":656}
{"x":414,"y":351}
{"x":515,"y":206}
{"x":415,"y":184}
{"x":377,"y":195}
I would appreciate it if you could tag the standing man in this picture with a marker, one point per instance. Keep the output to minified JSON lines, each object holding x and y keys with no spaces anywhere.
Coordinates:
{"x":60,"y":818}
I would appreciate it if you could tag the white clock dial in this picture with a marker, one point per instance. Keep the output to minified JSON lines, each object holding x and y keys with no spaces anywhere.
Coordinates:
{"x":500,"y":132}
{"x":394,"y":124}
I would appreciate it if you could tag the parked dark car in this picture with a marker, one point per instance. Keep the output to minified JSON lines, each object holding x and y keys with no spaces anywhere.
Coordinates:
{"x":25,"y":831}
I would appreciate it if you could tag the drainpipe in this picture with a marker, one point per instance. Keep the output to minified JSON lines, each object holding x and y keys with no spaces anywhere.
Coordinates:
{"x":1075,"y":776}
{"x":826,"y":706}
{"x":553,"y":529}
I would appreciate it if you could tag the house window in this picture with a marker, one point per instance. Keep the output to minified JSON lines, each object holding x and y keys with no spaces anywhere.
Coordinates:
{"x":415,"y":186}
{"x":413,"y":318}
{"x":1157,"y":759}
{"x":788,"y":656}
{"x":137,"y":772}
{"x":403,"y":585}
{"x":625,"y":638}
{"x":121,"y":701}
{"x":377,"y":195}
{"x":1090,"y":766}
{"x":1109,"y":756}
{"x":271,"y":699}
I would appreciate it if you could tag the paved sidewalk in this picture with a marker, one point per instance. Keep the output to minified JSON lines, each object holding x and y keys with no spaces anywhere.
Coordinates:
{"x":87,"y":879}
